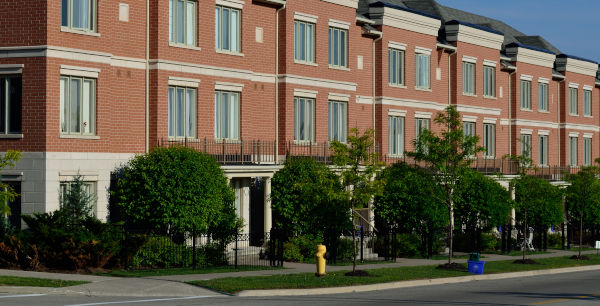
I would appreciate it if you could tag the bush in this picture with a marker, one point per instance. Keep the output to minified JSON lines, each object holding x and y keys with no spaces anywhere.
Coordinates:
{"x":555,"y":241}
{"x":162,"y":252}
{"x":463,"y":242}
{"x":407,"y":245}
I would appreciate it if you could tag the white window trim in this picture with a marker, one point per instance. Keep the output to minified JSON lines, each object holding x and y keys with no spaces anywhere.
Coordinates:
{"x":305,"y":93}
{"x":238,"y":4}
{"x":544,"y":132}
{"x":338,"y":97}
{"x":526,"y":77}
{"x":77,"y":71}
{"x":587,"y":135}
{"x":469,"y":59}
{"x":466,"y":118}
{"x":588,"y":87}
{"x":397,"y":45}
{"x":573,"y":134}
{"x":526,"y":131}
{"x":397,"y":112}
{"x":421,"y":50}
{"x":573,"y":85}
{"x":305,"y":17}
{"x":543,"y":80}
{"x":183,"y":82}
{"x":11,"y":69}
{"x":422,"y":115}
{"x":226,"y":86}
{"x":489,"y":120}
{"x":489,"y":63}
{"x":339,"y":24}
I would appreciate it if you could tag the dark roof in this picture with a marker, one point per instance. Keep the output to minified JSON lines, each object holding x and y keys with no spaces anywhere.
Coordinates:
{"x":529,"y":47}
{"x":575,"y":57}
{"x":539,"y":42}
{"x":403,"y":8}
{"x":476,"y":26}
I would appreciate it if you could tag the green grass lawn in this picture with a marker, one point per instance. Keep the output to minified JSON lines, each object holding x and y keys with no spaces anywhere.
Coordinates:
{"x":180,"y":271}
{"x":338,"y":279}
{"x":520,"y":253}
{"x":36,"y":282}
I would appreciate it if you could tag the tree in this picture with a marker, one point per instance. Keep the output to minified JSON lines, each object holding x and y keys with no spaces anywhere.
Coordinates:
{"x":307,"y":198}
{"x":76,"y":202}
{"x":7,"y":193}
{"x":410,"y":201}
{"x":358,"y":165}
{"x":447,"y":155}
{"x":176,"y":188}
{"x":583,"y":198}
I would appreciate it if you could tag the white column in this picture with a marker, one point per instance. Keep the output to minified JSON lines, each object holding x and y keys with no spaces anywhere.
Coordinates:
{"x":267,"y":210}
{"x":245,"y":205}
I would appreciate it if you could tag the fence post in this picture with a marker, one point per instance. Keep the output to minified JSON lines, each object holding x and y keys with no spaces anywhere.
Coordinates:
{"x":125,"y":248}
{"x":194,"y":262}
{"x":362,"y":245}
{"x":223,"y":152}
{"x":242,"y":152}
{"x":236,"y":251}
{"x":258,"y":151}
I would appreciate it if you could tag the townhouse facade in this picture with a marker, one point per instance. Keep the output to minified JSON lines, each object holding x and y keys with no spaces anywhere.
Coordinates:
{"x":87,"y":84}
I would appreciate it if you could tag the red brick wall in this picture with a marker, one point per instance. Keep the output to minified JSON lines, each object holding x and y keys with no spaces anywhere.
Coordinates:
{"x":23,"y":22}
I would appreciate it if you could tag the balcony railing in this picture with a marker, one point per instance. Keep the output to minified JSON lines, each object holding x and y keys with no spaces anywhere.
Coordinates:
{"x":227,"y":152}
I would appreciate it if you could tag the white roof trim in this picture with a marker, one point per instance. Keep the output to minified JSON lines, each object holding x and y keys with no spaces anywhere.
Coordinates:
{"x":185,"y":82}
{"x":238,"y":4}
{"x":396,"y":45}
{"x":305,"y":93}
{"x":576,"y":66}
{"x":11,"y":68}
{"x":305,"y":17}
{"x":469,"y":59}
{"x":466,"y":118}
{"x":339,"y":24}
{"x":405,"y":20}
{"x":528,"y":56}
{"x":229,"y":86}
{"x":470,"y":35}
{"x":85,"y":72}
{"x":397,"y":112}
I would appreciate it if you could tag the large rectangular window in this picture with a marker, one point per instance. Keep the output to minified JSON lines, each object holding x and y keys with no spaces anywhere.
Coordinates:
{"x":573,"y":151}
{"x":79,"y":14}
{"x":228,"y":29}
{"x":525,"y":94}
{"x":420,"y":125}
{"x":338,"y":47}
{"x":469,"y":128}
{"x":526,"y":145}
{"x":572,"y":101}
{"x":587,"y":102}
{"x":183,"y":22}
{"x":422,"y":71}
{"x":338,"y":121}
{"x":587,"y":151}
{"x":543,"y":97}
{"x":227,"y":115}
{"x":304,"y":119}
{"x":396,"y":135}
{"x":10,"y":105}
{"x":304,"y":41}
{"x":489,"y":81}
{"x":182,"y":112}
{"x":543,"y":150}
{"x":395,"y":67}
{"x":89,"y":188}
{"x":489,"y":140}
{"x":468,"y":78}
{"x":77,"y":105}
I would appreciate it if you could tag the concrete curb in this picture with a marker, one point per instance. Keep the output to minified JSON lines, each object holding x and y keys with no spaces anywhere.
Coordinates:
{"x":414,"y":283}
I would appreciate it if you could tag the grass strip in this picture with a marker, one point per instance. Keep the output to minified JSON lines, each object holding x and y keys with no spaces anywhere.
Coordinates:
{"x":37,"y":282}
{"x":384,"y":275}
{"x":180,"y":271}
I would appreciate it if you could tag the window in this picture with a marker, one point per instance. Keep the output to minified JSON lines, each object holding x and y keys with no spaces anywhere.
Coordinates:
{"x":228,"y":29}
{"x":489,"y":81}
{"x":489,"y":140}
{"x":587,"y":103}
{"x":88,"y":187}
{"x":468,"y":78}
{"x":227,"y":115}
{"x":338,"y":118}
{"x":79,"y":15}
{"x":338,"y":47}
{"x":420,"y":126}
{"x":14,"y":218}
{"x":543,"y":150}
{"x":526,"y":145}
{"x":525,"y":94}
{"x":587,"y":151}
{"x":182,"y":112}
{"x":77,"y":105}
{"x":10,"y":105}
{"x":422,"y":71}
{"x":543,"y":97}
{"x":396,"y":135}
{"x":395,"y":67}
{"x":469,"y":128}
{"x":182,"y":22}
{"x":573,"y":151}
{"x":573,"y":101}
{"x":304,"y":118}
{"x":304,"y":41}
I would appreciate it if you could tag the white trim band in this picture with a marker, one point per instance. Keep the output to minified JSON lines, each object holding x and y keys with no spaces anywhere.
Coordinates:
{"x":423,"y":115}
{"x":588,"y":135}
{"x":305,"y":17}
{"x":11,"y":68}
{"x":396,"y":112}
{"x":526,"y":77}
{"x":466,"y":118}
{"x":229,"y":86}
{"x":185,"y":82}
{"x":489,"y":63}
{"x":573,"y":85}
{"x":396,"y":45}
{"x":543,"y":80}
{"x":85,"y":72}
{"x":469,"y":59}
{"x":238,"y":4}
{"x":338,"y":97}
{"x":490,"y":120}
{"x":573,"y":134}
{"x":305,"y":93}
{"x":588,"y":87}
{"x":339,"y":24}
{"x":526,"y":131}
{"x":422,"y":50}
{"x":543,"y":132}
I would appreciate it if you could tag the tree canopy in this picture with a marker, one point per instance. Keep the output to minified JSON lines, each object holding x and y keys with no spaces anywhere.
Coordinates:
{"x":582,"y":197}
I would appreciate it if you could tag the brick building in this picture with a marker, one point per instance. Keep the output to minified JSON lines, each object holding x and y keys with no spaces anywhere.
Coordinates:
{"x":87,"y":84}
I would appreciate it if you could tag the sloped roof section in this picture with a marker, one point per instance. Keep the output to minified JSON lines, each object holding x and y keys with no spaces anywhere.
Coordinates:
{"x":538,"y":42}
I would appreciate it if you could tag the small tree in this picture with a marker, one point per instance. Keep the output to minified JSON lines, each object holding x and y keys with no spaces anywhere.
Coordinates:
{"x":76,"y":202}
{"x":7,"y":193}
{"x":448,"y":155}
{"x":358,"y":165}
{"x":583,"y":198}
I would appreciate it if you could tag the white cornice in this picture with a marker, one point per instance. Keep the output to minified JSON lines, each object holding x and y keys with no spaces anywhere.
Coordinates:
{"x":469,"y":35}
{"x":349,"y":3}
{"x":405,"y":20}
{"x":410,"y":103}
{"x":534,"y":123}
{"x":211,"y":71}
{"x":364,"y":100}
{"x":581,"y":127}
{"x":524,"y":55}
{"x":478,"y":110}
{"x":315,"y":82}
{"x":576,"y":66}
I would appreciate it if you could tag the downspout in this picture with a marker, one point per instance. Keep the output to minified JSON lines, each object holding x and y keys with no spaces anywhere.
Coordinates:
{"x":277,"y":82}
{"x":450,"y":76}
{"x":147,"y":89}
{"x":510,"y":123}
{"x":380,"y":36}
{"x":559,"y":123}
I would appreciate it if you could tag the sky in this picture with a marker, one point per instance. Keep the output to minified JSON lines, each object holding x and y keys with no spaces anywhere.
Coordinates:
{"x":573,"y":26}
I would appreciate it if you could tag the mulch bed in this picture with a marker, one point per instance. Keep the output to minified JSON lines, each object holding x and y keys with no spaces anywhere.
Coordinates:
{"x":357,"y":273}
{"x":525,"y":262}
{"x":582,"y":257}
{"x":452,"y":267}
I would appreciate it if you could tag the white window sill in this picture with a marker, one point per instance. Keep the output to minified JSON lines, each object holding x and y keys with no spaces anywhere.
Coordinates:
{"x":81,"y":32}
{"x":543,"y":111}
{"x":573,"y":115}
{"x":588,"y":116}
{"x":469,"y":94}
{"x":11,"y":136}
{"x":227,"y":141}
{"x":423,"y":89}
{"x":176,"y":45}
{"x":305,"y":63}
{"x":490,"y":97}
{"x":178,"y":139}
{"x":304,"y":142}
{"x":397,"y":86}
{"x":396,"y":155}
{"x":339,"y":68}
{"x":526,"y":110}
{"x":68,"y":136}
{"x":229,"y":52}
{"x":489,"y":157}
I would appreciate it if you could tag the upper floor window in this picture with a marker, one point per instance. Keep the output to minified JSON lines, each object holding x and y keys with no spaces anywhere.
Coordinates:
{"x":395,"y":67}
{"x":227,"y":115}
{"x":227,"y":29}
{"x":10,"y":105}
{"x":182,"y":22}
{"x":587,"y":151}
{"x":525,"y":94}
{"x":338,"y":47}
{"x":182,"y":112}
{"x":587,"y":102}
{"x":79,"y":15}
{"x":543,"y":97}
{"x":338,"y":121}
{"x":422,"y":71}
{"x":573,"y":151}
{"x":543,"y":150}
{"x":304,"y":119}
{"x":572,"y":101}
{"x":77,"y":105}
{"x":489,"y":81}
{"x":304,"y":41}
{"x":395,"y":135}
{"x":468,"y":78}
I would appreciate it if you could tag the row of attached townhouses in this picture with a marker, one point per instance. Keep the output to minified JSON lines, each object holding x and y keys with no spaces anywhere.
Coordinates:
{"x":87,"y":84}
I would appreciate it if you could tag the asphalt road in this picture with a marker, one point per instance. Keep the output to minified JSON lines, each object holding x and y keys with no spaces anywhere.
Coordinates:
{"x":582,"y":288}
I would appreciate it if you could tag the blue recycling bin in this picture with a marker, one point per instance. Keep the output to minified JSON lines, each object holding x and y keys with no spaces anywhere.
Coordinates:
{"x":476,"y":267}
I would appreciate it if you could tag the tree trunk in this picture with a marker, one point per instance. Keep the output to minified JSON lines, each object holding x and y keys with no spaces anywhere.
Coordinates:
{"x":353,"y":248}
{"x":524,"y":244}
{"x":580,"y":231}
{"x":450,"y":232}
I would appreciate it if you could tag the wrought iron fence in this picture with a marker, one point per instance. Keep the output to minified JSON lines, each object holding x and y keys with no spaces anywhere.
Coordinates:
{"x":238,"y":152}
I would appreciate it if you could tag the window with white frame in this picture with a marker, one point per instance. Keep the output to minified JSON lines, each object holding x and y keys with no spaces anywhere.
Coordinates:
{"x":489,"y":140}
{"x":526,"y":94}
{"x":526,"y":145}
{"x":338,"y":121}
{"x":338,"y":47}
{"x":304,"y":119}
{"x":227,"y":115}
{"x":183,"y":22}
{"x":304,"y":41}
{"x":395,"y":67}
{"x":587,"y":151}
{"x":88,"y":188}
{"x":422,"y":71}
{"x":79,"y":14}
{"x":396,"y":135}
{"x":77,"y":105}
{"x":573,"y":151}
{"x":228,"y":29}
{"x":468,"y":78}
{"x":10,"y":104}
{"x":572,"y":101}
{"x":489,"y":81}
{"x":182,"y":112}
{"x":543,"y":150}
{"x":14,"y":204}
{"x":469,"y":128}
{"x":543,"y":97}
{"x":421,"y":124}
{"x":587,"y":102}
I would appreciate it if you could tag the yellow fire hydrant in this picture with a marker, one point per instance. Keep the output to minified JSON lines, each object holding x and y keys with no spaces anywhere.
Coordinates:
{"x":320,"y":260}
